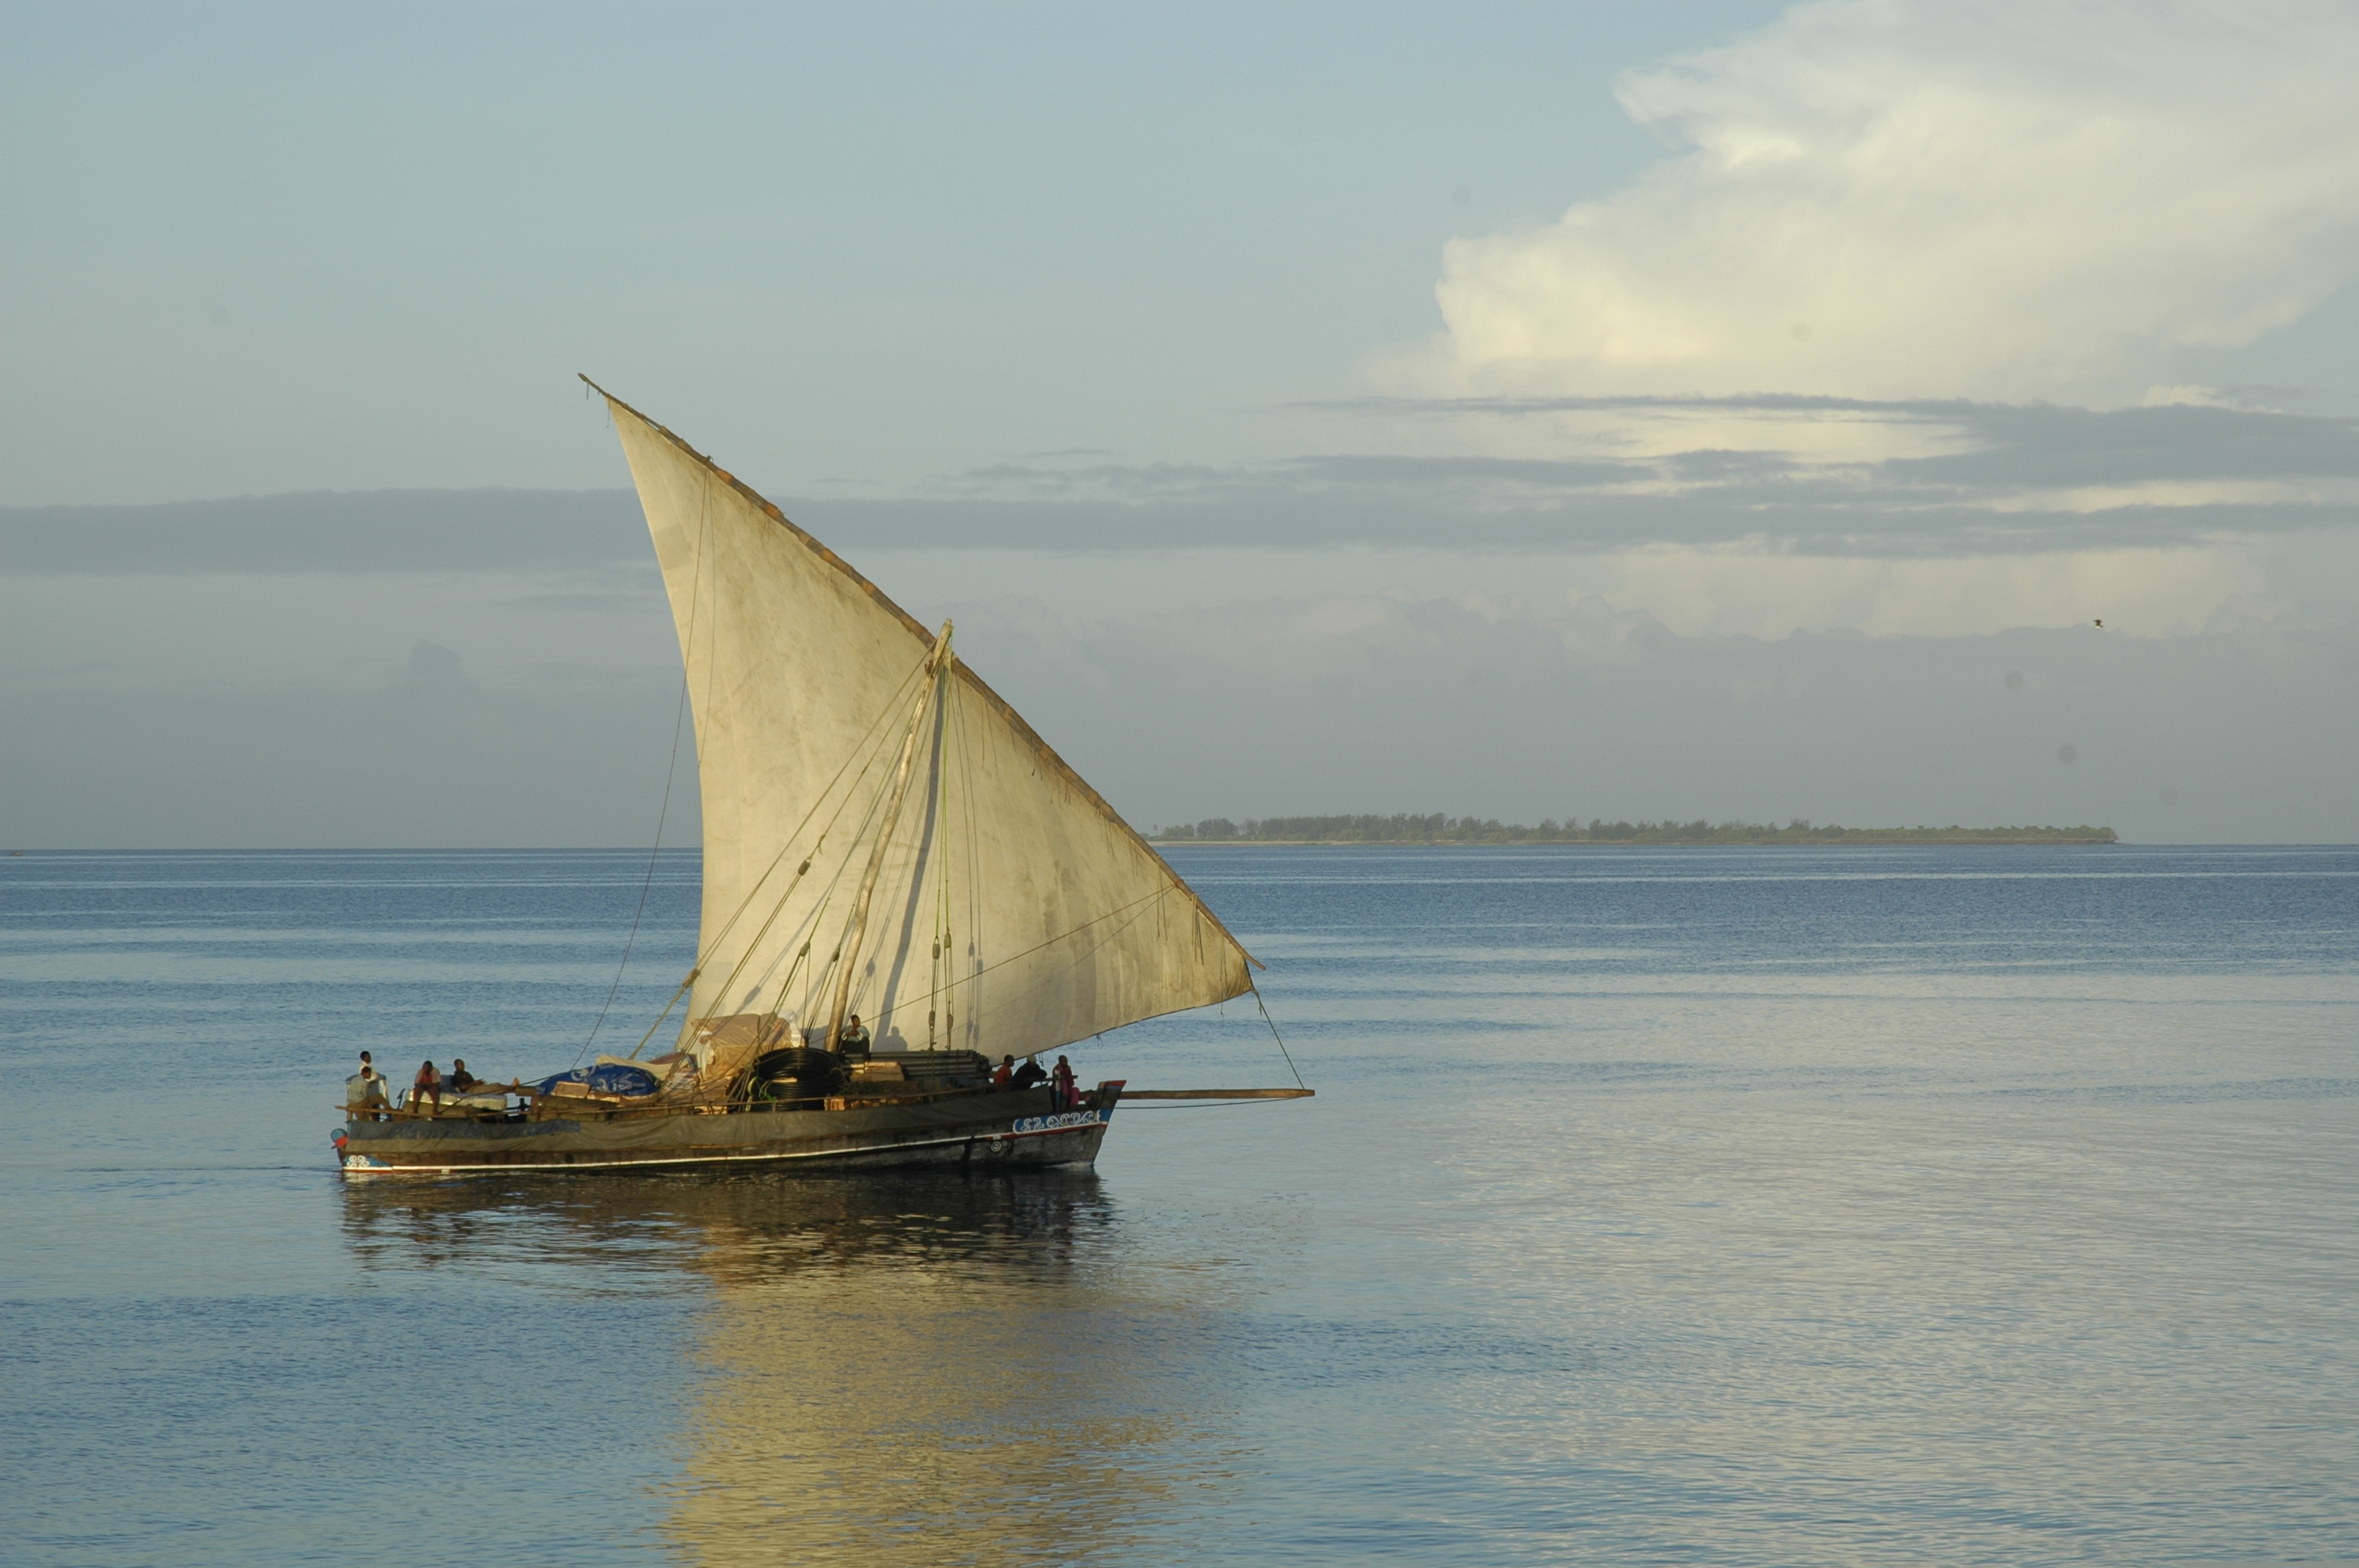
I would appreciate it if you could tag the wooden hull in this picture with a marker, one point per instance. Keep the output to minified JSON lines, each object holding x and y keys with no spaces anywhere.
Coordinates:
{"x":1014,"y":1128}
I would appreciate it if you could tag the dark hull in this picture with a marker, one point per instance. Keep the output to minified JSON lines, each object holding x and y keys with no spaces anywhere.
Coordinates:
{"x":1014,"y":1128}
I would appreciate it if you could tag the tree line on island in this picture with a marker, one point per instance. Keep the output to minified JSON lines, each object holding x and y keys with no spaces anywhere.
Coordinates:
{"x":1438,"y":829}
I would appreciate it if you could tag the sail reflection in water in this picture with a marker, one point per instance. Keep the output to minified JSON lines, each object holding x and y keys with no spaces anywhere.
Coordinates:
{"x":912,"y":1368}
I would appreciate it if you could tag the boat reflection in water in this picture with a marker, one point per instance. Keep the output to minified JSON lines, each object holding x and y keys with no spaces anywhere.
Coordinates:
{"x":889,"y":1368}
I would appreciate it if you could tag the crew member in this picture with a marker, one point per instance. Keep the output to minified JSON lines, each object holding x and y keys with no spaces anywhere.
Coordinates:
{"x":459,"y":1079}
{"x":1061,"y":1085}
{"x":365,"y":1090}
{"x":1030,"y":1073}
{"x":426,"y":1086}
{"x":853,"y":1041}
{"x":1006,"y":1071}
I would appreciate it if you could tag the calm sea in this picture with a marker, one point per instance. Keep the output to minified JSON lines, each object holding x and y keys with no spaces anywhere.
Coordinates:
{"x":1973,"y":1205}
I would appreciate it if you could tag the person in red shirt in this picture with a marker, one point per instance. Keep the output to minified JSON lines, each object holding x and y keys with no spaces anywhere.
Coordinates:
{"x":1005,"y":1073}
{"x":426,"y":1086}
{"x":1060,"y":1085}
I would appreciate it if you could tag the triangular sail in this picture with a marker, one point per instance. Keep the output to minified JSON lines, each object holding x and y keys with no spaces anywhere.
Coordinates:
{"x":1013,"y":912}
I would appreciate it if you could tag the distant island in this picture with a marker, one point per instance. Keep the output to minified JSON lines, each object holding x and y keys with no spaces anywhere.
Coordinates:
{"x":1441,"y":829}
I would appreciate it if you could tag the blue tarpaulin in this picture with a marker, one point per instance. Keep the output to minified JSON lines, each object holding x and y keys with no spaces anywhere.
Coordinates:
{"x":605,"y":1078}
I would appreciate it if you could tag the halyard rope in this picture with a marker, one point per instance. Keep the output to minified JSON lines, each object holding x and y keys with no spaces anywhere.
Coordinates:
{"x":671,"y":772}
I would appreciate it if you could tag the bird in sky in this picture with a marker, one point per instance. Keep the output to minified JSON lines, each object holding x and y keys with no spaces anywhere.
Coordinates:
{"x":2099,"y":623}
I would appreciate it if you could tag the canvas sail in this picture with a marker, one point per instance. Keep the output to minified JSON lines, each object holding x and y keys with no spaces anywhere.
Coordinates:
{"x":1012,"y":910}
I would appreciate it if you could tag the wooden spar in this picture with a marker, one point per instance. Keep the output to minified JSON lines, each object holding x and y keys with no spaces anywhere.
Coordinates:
{"x":1218,"y":1094}
{"x":884,"y":836}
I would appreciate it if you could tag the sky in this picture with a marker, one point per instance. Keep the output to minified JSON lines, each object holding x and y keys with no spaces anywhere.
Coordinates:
{"x":1728,"y":410}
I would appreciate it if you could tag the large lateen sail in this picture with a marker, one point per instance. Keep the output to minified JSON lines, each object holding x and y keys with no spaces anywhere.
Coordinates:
{"x":883,"y":834}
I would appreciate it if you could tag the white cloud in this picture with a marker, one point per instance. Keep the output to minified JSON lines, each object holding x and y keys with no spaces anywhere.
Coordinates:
{"x":2187,"y":397}
{"x":2089,"y":498}
{"x":2019,"y":200}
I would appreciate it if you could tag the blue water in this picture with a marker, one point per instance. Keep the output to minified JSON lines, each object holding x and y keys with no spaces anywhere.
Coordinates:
{"x":1699,"y":1206}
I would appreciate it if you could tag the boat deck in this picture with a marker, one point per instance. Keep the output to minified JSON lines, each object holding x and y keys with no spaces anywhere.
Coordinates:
{"x":877,"y":1123}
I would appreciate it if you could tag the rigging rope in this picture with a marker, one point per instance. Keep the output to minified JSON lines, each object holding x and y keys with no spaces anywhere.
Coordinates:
{"x":810,"y":927}
{"x":705,"y":956}
{"x":746,"y":955}
{"x":678,"y":992}
{"x":640,"y":913}
{"x":671,"y":772}
{"x":974,"y":931}
{"x":1052,"y":941}
{"x":941,"y":856}
{"x":747,"y":901}
{"x":1274,"y":1034}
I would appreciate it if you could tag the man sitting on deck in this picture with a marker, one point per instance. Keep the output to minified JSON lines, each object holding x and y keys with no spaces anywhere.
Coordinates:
{"x":1030,"y":1073}
{"x":428,"y":1084}
{"x":365,"y":1090}
{"x":459,"y":1079}
{"x":853,"y":1041}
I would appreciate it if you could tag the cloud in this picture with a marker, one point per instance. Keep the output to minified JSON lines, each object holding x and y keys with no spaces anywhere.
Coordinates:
{"x":2002,"y":516}
{"x":2041,"y":445}
{"x":1965,"y":478}
{"x":1936,"y":453}
{"x":1887,"y":201}
{"x":1954,"y":479}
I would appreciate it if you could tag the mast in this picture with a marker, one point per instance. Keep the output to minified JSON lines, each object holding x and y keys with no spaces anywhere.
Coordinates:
{"x":935,"y":664}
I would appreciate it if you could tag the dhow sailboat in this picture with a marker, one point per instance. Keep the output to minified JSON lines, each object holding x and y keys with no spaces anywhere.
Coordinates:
{"x":885,"y":838}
